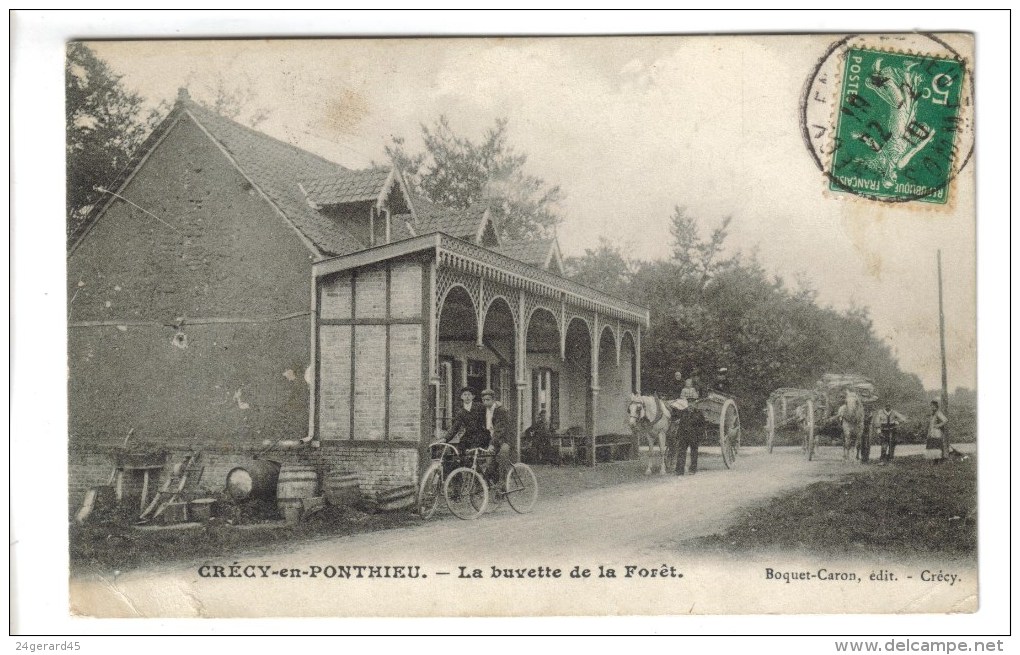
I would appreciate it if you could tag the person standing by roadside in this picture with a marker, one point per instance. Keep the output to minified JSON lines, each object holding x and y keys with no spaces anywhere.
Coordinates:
{"x":886,"y":422}
{"x":935,"y":448}
{"x":689,"y":426}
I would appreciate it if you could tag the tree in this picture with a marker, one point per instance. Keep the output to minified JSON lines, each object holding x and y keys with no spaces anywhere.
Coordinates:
{"x":604,"y":268}
{"x":693,"y":254}
{"x":104,"y":127}
{"x":707,"y":312}
{"x":457,"y":172}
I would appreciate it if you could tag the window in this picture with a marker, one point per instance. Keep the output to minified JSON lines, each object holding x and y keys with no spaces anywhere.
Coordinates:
{"x":476,"y":375}
{"x":501,"y":381}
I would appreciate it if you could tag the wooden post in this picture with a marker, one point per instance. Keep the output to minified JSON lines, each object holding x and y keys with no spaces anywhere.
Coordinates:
{"x":942,"y":345}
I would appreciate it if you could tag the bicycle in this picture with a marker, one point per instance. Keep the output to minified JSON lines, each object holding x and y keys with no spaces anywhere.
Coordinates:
{"x":466,"y":489}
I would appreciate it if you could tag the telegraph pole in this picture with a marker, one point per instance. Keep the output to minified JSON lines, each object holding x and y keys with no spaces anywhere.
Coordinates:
{"x":942,"y":344}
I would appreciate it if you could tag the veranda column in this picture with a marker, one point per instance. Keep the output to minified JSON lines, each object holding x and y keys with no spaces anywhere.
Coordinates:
{"x":595,"y":343}
{"x":480,"y":312}
{"x":637,"y":356}
{"x":521,"y":336}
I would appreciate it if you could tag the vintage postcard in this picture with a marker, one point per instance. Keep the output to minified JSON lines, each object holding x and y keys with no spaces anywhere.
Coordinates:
{"x":487,"y":327}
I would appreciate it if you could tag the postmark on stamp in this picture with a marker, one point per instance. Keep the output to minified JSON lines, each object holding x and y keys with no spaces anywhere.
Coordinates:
{"x":899,"y":125}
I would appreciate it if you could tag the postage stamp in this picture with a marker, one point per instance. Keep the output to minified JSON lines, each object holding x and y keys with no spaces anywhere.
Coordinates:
{"x":896,"y":129}
{"x":889,"y":118}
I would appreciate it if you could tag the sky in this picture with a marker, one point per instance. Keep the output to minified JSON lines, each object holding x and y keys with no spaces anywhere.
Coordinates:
{"x":629,"y":127}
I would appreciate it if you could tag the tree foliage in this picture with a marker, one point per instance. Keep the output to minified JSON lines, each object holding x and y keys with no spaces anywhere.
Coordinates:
{"x":710,"y":311}
{"x":693,"y":254}
{"x":603,"y":268}
{"x":105,"y":124}
{"x":456,"y":172}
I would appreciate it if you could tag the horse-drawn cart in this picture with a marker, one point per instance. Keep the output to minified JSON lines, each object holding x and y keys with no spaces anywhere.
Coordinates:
{"x":815,"y":412}
{"x":721,"y":411}
{"x":791,"y":410}
{"x":650,"y":416}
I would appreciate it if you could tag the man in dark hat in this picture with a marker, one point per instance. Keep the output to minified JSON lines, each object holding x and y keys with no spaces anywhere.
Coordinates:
{"x":469,"y":422}
{"x":497,"y":423}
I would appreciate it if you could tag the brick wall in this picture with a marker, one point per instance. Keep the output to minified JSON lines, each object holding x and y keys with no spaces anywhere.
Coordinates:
{"x":379,"y":467}
{"x":369,"y":381}
{"x":370,"y":293}
{"x":335,"y":297}
{"x":376,"y":378}
{"x":405,"y":382}
{"x":335,"y":381}
{"x":405,"y":289}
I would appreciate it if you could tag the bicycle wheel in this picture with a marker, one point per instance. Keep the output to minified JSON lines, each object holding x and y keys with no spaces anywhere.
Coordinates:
{"x":521,"y":488}
{"x":429,"y":490}
{"x":467,"y":494}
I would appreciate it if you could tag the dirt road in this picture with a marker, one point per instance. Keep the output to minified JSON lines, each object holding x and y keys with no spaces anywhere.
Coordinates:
{"x":639,"y":524}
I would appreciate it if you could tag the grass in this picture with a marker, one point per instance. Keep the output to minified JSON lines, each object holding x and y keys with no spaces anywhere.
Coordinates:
{"x":910,"y":507}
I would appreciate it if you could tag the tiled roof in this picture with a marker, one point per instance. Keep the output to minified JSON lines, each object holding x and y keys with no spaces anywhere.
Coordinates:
{"x":399,"y":229}
{"x":534,"y":252}
{"x":461,"y":223}
{"x":275,"y":167}
{"x":349,"y":186}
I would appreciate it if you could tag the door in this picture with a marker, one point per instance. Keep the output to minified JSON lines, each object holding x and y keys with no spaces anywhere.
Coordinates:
{"x":444,"y":404}
{"x":545,"y":396}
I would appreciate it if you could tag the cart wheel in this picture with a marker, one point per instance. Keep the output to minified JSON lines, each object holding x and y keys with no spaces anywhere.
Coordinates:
{"x":467,"y":494}
{"x":521,"y":488}
{"x":770,"y":426}
{"x":729,"y":432}
{"x":810,"y":439}
{"x":430,"y":489}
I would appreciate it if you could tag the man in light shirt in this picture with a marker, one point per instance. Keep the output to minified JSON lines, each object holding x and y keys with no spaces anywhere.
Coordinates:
{"x":887,"y":421}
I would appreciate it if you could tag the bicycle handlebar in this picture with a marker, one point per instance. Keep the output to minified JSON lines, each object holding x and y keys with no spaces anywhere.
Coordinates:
{"x":445,"y":446}
{"x":456,"y":452}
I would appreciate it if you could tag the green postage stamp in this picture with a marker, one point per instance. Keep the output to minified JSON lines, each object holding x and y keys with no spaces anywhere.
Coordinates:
{"x":897,"y":123}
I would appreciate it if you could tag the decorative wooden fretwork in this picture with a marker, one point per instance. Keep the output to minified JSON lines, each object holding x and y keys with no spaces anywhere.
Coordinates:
{"x":491,"y":290}
{"x":448,"y":278}
{"x":479,"y":262}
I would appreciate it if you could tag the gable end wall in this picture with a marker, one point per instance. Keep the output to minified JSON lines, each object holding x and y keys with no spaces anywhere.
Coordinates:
{"x":223,"y":261}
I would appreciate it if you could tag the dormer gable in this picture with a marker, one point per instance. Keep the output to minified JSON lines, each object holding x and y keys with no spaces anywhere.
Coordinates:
{"x":365,"y":202}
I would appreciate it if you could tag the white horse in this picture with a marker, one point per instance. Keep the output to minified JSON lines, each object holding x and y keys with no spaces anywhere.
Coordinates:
{"x":852,"y":419}
{"x":650,"y":416}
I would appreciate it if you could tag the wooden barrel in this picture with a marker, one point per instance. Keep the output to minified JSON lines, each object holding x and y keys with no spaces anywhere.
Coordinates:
{"x":396,"y":499}
{"x":255,"y":479}
{"x":341,"y":488}
{"x":297,"y":481}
